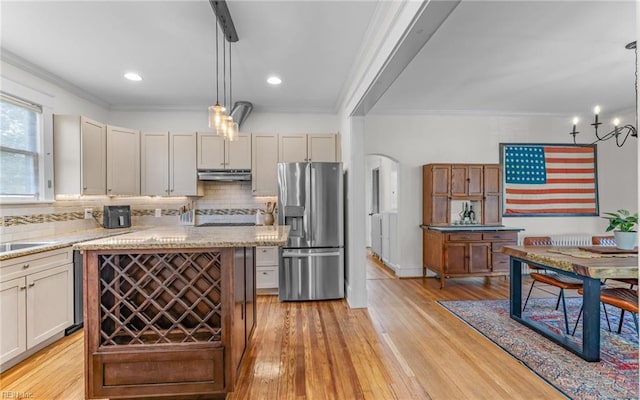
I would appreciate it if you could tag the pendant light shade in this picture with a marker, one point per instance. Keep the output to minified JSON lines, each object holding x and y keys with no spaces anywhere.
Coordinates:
{"x":232,"y":134}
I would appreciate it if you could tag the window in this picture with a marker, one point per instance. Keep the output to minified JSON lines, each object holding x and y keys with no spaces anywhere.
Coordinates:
{"x":20,"y":133}
{"x":26,"y":144}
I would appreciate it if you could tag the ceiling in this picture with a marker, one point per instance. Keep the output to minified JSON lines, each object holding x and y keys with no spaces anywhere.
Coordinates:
{"x":504,"y":57}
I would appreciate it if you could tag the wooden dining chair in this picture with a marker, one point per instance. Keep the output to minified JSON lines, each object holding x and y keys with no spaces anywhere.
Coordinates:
{"x":550,"y":278}
{"x":622,"y":298}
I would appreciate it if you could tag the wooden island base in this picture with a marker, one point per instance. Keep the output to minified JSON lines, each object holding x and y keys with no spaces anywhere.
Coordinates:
{"x":169,"y":312}
{"x":167,"y":323}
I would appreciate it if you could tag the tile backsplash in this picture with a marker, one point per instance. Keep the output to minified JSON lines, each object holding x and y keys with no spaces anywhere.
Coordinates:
{"x":23,"y":222}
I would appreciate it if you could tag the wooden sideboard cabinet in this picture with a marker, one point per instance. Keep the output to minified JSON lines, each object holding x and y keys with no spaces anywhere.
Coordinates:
{"x":466,"y":253}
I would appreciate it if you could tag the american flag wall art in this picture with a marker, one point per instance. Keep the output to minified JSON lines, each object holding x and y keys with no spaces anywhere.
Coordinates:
{"x":549,"y":180}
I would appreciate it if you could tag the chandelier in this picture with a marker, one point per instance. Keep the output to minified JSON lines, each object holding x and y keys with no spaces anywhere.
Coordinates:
{"x":620,"y":133}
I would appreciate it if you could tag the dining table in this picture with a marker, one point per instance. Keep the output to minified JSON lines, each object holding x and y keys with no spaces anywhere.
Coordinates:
{"x":592,"y":265}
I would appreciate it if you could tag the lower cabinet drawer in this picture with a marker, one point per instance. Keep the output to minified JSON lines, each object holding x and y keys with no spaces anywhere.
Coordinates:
{"x":508,"y":235}
{"x":464,"y":236}
{"x":267,"y":277}
{"x":266,"y":255}
{"x":499,"y":262}
{"x":497,"y":246}
{"x":148,"y":373}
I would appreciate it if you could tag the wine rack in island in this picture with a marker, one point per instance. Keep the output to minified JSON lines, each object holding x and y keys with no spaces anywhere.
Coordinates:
{"x":169,"y":322}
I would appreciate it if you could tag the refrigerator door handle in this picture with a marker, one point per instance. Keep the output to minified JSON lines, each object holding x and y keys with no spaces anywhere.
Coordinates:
{"x":309,"y":255}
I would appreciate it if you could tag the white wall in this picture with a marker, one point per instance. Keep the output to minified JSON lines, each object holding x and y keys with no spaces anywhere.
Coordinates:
{"x":64,"y":102}
{"x":197,"y":121}
{"x":417,"y":140}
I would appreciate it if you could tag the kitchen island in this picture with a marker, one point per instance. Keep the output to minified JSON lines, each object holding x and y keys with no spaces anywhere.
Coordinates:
{"x":170,"y":311}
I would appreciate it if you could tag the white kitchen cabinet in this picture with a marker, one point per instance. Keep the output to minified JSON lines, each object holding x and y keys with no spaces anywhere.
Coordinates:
{"x":49,"y":303}
{"x":321,"y":147}
{"x":183,"y":176}
{"x":376,"y":234}
{"x":14,"y":318}
{"x":292,"y":148}
{"x":123,"y":161}
{"x":389,"y":242}
{"x":154,"y":163}
{"x":36,"y":301}
{"x":80,"y":155}
{"x":215,"y":152}
{"x":168,"y":164}
{"x":264,"y":174}
{"x":266,"y":267}
{"x":307,"y":147}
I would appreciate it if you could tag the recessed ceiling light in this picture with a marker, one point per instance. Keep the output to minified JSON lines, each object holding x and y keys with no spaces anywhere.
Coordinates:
{"x":132,"y":76}
{"x":274,"y":80}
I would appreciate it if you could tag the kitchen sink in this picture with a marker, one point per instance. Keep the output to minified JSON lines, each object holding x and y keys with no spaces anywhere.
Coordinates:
{"x":20,"y":245}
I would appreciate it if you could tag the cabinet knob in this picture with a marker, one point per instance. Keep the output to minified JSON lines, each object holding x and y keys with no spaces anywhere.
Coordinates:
{"x":25,"y":266}
{"x":171,"y":190}
{"x":84,"y":188}
{"x":23,"y":287}
{"x":32,"y":284}
{"x":222,"y":163}
{"x":109,"y":190}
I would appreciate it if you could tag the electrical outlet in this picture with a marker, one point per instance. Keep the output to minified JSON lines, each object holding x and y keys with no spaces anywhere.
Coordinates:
{"x":158,"y":213}
{"x":88,"y":213}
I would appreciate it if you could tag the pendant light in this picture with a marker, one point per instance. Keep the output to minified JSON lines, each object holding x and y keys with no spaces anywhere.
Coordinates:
{"x":232,"y":129}
{"x":224,"y":124}
{"x":217,"y":112}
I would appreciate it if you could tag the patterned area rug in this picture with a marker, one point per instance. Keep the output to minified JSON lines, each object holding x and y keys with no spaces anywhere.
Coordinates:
{"x":614,"y":377}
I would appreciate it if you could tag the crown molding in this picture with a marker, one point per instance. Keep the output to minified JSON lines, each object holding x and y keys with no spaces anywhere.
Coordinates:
{"x":27,"y":66}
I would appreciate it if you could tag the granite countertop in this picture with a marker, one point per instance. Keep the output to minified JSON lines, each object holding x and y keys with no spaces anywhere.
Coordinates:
{"x":190,"y":237}
{"x":474,"y":228}
{"x":61,"y":241}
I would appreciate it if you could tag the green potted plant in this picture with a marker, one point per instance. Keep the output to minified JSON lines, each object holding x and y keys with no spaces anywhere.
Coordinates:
{"x":623,"y":224}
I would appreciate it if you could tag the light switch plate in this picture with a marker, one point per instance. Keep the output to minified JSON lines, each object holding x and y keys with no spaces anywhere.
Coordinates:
{"x":158,"y":213}
{"x":88,"y":213}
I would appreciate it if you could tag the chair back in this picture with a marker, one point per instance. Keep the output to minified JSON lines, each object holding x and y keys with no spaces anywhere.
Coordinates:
{"x":537,"y":241}
{"x":603,"y":240}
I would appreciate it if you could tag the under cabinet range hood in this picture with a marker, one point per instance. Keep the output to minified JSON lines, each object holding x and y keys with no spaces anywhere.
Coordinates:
{"x":224,"y":175}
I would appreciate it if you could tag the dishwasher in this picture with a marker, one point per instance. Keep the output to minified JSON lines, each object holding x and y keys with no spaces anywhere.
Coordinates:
{"x":78,"y":294}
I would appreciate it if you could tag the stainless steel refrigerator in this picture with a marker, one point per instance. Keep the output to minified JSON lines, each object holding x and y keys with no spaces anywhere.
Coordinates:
{"x":310,"y":201}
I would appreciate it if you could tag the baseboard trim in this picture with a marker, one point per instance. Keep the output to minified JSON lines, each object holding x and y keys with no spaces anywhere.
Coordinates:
{"x":408,"y":272}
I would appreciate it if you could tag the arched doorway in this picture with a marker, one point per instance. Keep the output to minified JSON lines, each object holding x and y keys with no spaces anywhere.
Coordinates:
{"x":381,"y":194}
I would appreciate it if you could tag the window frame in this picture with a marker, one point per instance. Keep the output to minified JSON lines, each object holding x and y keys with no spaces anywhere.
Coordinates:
{"x":45,"y":142}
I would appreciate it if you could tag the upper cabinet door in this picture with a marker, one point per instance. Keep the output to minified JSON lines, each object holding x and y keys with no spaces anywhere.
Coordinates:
{"x":292,"y":148}
{"x":183,"y":177}
{"x":123,"y":161}
{"x":321,"y":147}
{"x":239,"y":153}
{"x":154,"y":163}
{"x":264,"y":163}
{"x":466,"y":180}
{"x":210,"y":151}
{"x":458,"y":180}
{"x":93,"y":169}
{"x":475,"y":180}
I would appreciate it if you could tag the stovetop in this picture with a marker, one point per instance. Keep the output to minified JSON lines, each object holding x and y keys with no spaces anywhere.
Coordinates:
{"x":228,"y":224}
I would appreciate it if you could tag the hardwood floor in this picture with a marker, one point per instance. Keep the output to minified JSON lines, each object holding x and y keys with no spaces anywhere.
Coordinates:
{"x":404,"y":346}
